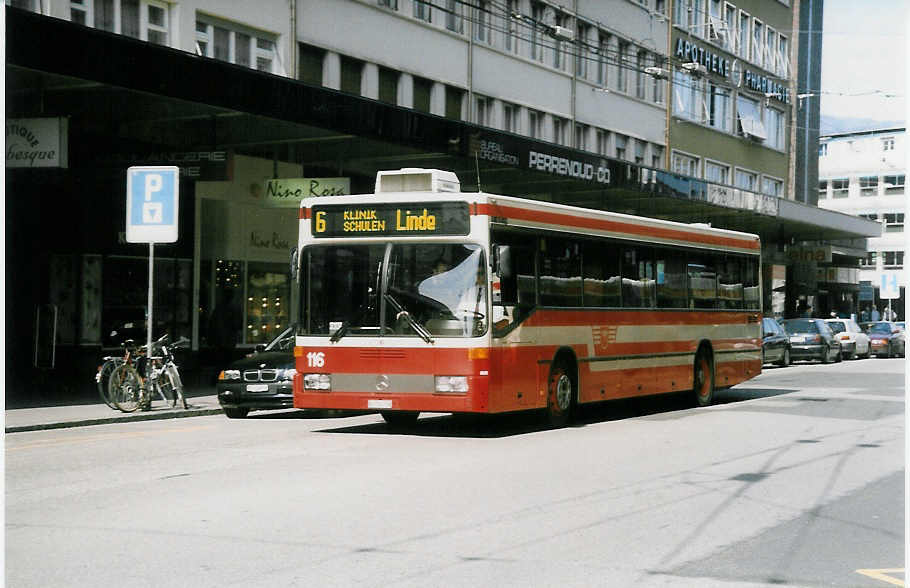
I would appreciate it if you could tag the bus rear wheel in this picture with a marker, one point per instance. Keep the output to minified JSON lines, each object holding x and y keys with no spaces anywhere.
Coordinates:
{"x":703,"y":379}
{"x":560,"y":395}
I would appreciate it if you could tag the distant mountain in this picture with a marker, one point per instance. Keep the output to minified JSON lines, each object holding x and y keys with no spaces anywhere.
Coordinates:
{"x":832,"y":124}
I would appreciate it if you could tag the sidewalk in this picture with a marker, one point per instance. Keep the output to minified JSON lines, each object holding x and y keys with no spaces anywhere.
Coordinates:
{"x":201,"y":401}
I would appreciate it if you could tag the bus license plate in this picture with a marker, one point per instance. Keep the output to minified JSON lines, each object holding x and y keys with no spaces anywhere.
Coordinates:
{"x":379,"y":404}
{"x":257,"y":388}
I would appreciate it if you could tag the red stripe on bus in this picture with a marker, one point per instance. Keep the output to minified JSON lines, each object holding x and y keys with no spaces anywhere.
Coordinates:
{"x":570,"y":221}
{"x":304,"y":213}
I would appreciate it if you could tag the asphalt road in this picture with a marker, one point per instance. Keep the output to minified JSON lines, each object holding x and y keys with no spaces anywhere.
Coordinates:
{"x":794,"y":478}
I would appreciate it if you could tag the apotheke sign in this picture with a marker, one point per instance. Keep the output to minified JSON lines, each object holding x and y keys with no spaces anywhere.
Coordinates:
{"x":36,"y":142}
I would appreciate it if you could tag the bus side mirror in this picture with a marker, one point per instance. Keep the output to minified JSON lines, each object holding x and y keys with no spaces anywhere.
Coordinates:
{"x":295,"y":258}
{"x":502,"y":261}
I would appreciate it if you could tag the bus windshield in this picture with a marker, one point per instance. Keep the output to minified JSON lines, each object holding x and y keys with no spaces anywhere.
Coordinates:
{"x":411,"y":289}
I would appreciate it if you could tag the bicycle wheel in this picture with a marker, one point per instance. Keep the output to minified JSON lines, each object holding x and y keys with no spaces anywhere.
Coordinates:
{"x":173,"y":377}
{"x":125,"y":388}
{"x":103,"y":379}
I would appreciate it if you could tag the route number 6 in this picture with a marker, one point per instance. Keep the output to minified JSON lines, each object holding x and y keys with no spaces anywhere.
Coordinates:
{"x":315,"y":359}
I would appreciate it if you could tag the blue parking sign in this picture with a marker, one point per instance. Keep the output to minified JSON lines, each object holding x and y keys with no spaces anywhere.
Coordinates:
{"x":152,"y":204}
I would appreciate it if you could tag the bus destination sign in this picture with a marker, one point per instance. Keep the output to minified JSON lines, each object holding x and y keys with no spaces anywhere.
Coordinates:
{"x":391,"y":219}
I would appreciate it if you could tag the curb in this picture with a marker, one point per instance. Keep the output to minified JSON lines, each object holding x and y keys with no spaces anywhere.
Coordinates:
{"x":154,"y":416}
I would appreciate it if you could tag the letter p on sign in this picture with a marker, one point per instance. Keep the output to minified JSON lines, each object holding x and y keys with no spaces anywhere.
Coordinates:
{"x":152,"y":204}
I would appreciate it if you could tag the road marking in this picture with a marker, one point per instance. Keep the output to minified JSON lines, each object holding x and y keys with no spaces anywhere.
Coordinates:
{"x":89,"y":438}
{"x":883,"y":575}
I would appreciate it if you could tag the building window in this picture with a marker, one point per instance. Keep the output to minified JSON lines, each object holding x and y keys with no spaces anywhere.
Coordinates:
{"x":621,"y":67}
{"x":658,"y":83}
{"x":535,"y":124}
{"x":351,"y":75}
{"x":870,"y":260}
{"x":559,"y":59}
{"x":758,"y":36}
{"x":581,"y":137}
{"x":421,"y":94}
{"x":745,"y":30}
{"x":823,"y":150}
{"x":393,"y":4}
{"x":388,"y":85}
{"x":749,"y":115}
{"x":559,"y":130}
{"x":783,"y":57}
{"x":148,"y":20}
{"x":454,"y":21}
{"x":620,"y":144}
{"x":510,"y":113}
{"x":156,"y":23}
{"x":774,"y":126}
{"x":79,"y":12}
{"x":720,"y":111}
{"x":657,"y":156}
{"x":641,"y":62}
{"x":481,"y":21}
{"x":581,"y":50}
{"x":454,"y":98}
{"x":483,"y":108}
{"x":717,"y":173}
{"x":603,"y":142}
{"x":683,"y":164}
{"x":603,"y":60}
{"x":888,"y":144}
{"x":745,"y":180}
{"x":511,"y":26}
{"x":639,"y":158}
{"x":686,"y":91}
{"x":868,"y":186}
{"x":822,"y":189}
{"x":422,"y":10}
{"x":728,"y":30}
{"x":229,"y":42}
{"x":772,"y":187}
{"x":537,"y":15}
{"x":894,"y":222}
{"x":840,"y":188}
{"x":893,"y":259}
{"x":310,"y":64}
{"x":894,"y":184}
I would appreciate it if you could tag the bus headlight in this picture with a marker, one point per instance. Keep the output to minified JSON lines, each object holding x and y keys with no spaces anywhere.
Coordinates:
{"x":317,"y":382}
{"x":451,"y":384}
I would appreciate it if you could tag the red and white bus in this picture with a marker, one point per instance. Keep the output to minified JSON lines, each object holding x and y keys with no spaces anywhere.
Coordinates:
{"x":419,"y":297}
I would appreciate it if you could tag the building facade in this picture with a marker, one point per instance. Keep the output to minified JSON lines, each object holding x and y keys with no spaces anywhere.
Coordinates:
{"x":863,"y":174}
{"x":679,"y":110}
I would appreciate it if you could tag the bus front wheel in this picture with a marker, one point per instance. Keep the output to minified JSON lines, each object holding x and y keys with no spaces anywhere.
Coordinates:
{"x":703,"y":378}
{"x":560,"y":395}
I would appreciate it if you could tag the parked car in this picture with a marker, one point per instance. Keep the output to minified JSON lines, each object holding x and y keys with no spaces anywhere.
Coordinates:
{"x":886,"y":338}
{"x":812,"y":338}
{"x":775,"y":343}
{"x":853,"y":341}
{"x":261,"y":380}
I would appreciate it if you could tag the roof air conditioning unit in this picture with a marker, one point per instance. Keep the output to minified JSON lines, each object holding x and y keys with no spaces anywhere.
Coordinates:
{"x":657,"y":72}
{"x":695,"y":68}
{"x":562,"y":33}
{"x":416,"y":179}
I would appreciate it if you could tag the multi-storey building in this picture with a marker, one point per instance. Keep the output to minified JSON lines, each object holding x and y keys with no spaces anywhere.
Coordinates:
{"x":863,"y":173}
{"x":681,"y":110}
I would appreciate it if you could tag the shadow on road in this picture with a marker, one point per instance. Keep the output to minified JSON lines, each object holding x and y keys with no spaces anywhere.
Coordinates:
{"x":511,"y":424}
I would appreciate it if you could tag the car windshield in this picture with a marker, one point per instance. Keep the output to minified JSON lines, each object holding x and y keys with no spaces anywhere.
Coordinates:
{"x":880,"y":328}
{"x":837,"y":326}
{"x":800,"y":326}
{"x":413,"y":289}
{"x":283,"y":342}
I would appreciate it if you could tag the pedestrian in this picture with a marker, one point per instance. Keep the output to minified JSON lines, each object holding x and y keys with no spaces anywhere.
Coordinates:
{"x":875,"y":316}
{"x":864,"y":315}
{"x":889,"y":314}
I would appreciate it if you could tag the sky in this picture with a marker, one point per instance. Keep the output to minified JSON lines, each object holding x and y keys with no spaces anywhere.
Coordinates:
{"x":864,"y":50}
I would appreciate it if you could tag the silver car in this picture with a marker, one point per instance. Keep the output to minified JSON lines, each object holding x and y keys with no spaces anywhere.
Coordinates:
{"x":853,"y":341}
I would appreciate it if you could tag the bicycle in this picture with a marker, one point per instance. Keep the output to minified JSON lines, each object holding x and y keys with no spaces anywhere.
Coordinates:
{"x":103,"y":376}
{"x":131,"y":387}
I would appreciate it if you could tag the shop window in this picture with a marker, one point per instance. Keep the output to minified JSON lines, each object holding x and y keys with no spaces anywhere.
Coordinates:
{"x":268,"y":292}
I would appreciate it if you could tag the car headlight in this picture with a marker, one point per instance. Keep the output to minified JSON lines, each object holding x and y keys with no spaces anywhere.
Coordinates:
{"x":287,"y":374}
{"x":317,"y":382}
{"x":229,"y":375}
{"x":451,"y":384}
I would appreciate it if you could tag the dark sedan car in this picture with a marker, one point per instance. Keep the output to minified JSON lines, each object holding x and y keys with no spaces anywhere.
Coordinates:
{"x":885,"y":338}
{"x":775,"y":343}
{"x":262,"y":380}
{"x":812,"y":338}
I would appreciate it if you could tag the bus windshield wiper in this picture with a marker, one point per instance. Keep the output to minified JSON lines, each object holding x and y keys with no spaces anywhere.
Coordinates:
{"x":404,"y":314}
{"x":346,"y":325}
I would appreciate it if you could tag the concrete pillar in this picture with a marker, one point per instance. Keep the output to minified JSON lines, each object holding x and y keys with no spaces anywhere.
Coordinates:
{"x":369,"y":81}
{"x":438,"y":99}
